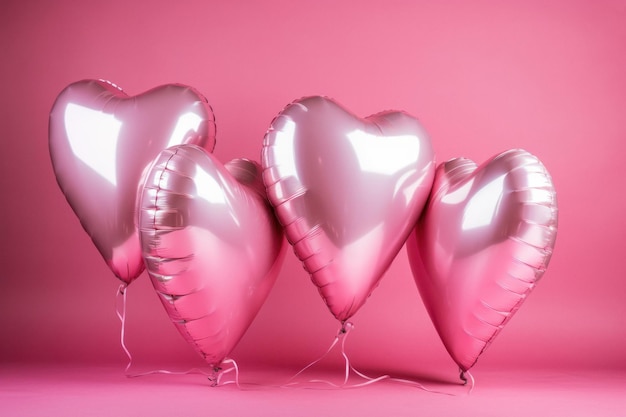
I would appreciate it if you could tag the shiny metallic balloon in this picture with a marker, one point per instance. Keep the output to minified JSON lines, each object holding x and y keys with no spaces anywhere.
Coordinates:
{"x":483,"y":242}
{"x":101,"y":143}
{"x":211,"y":243}
{"x":347,"y":191}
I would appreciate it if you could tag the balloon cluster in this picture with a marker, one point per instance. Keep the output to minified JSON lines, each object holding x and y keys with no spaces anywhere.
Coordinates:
{"x":346,"y":192}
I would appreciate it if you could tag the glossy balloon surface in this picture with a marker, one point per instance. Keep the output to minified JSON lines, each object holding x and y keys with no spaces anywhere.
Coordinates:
{"x":347,"y":191}
{"x":211,"y":243}
{"x":101,"y":143}
{"x":485,"y":239}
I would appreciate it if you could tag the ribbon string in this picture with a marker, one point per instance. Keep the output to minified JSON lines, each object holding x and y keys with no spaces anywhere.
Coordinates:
{"x":121,"y":292}
{"x":342,"y":336}
{"x":214,"y":376}
{"x":223,"y":372}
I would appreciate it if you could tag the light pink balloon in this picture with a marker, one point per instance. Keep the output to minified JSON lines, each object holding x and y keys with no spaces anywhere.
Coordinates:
{"x":483,"y":242}
{"x":347,"y":191}
{"x":102,"y":141}
{"x":211,"y":244}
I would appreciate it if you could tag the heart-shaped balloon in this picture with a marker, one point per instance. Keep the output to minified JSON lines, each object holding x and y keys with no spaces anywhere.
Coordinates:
{"x":347,"y":191}
{"x":102,"y":141}
{"x":485,"y":238}
{"x":211,"y":243}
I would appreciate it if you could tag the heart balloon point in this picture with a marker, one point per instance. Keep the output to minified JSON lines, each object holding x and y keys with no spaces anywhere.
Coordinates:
{"x":347,"y":191}
{"x":101,"y":144}
{"x":483,"y":242}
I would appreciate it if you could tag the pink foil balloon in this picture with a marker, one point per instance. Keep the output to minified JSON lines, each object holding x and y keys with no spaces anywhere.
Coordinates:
{"x":484,"y":240}
{"x":347,"y":191}
{"x":211,"y":244}
{"x":102,"y":141}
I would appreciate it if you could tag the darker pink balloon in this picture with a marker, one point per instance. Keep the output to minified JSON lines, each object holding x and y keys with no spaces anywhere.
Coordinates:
{"x":347,"y":191}
{"x":211,"y":244}
{"x":484,"y":241}
{"x":102,"y":141}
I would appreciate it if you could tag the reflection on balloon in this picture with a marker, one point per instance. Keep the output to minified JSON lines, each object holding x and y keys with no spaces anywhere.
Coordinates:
{"x":347,"y":191}
{"x":102,"y":141}
{"x":484,"y":240}
{"x":211,"y":244}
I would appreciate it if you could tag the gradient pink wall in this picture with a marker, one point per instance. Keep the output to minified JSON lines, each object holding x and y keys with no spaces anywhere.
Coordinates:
{"x":483,"y":76}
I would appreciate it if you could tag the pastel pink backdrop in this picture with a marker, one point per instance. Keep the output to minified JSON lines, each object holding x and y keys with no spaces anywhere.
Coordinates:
{"x":482,"y":76}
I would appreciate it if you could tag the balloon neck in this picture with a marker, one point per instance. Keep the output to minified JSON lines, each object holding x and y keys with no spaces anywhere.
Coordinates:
{"x":214,"y":377}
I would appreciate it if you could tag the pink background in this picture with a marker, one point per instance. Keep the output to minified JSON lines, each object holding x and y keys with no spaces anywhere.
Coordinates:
{"x":482,"y":76}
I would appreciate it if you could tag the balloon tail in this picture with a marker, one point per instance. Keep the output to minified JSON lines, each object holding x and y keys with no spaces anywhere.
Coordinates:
{"x":465,"y":376}
{"x":121,"y":293}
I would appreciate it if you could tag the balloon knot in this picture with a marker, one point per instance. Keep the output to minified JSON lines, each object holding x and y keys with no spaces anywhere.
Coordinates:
{"x":122,"y":288}
{"x":346,"y":326}
{"x":463,"y":377}
{"x":214,"y":378}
